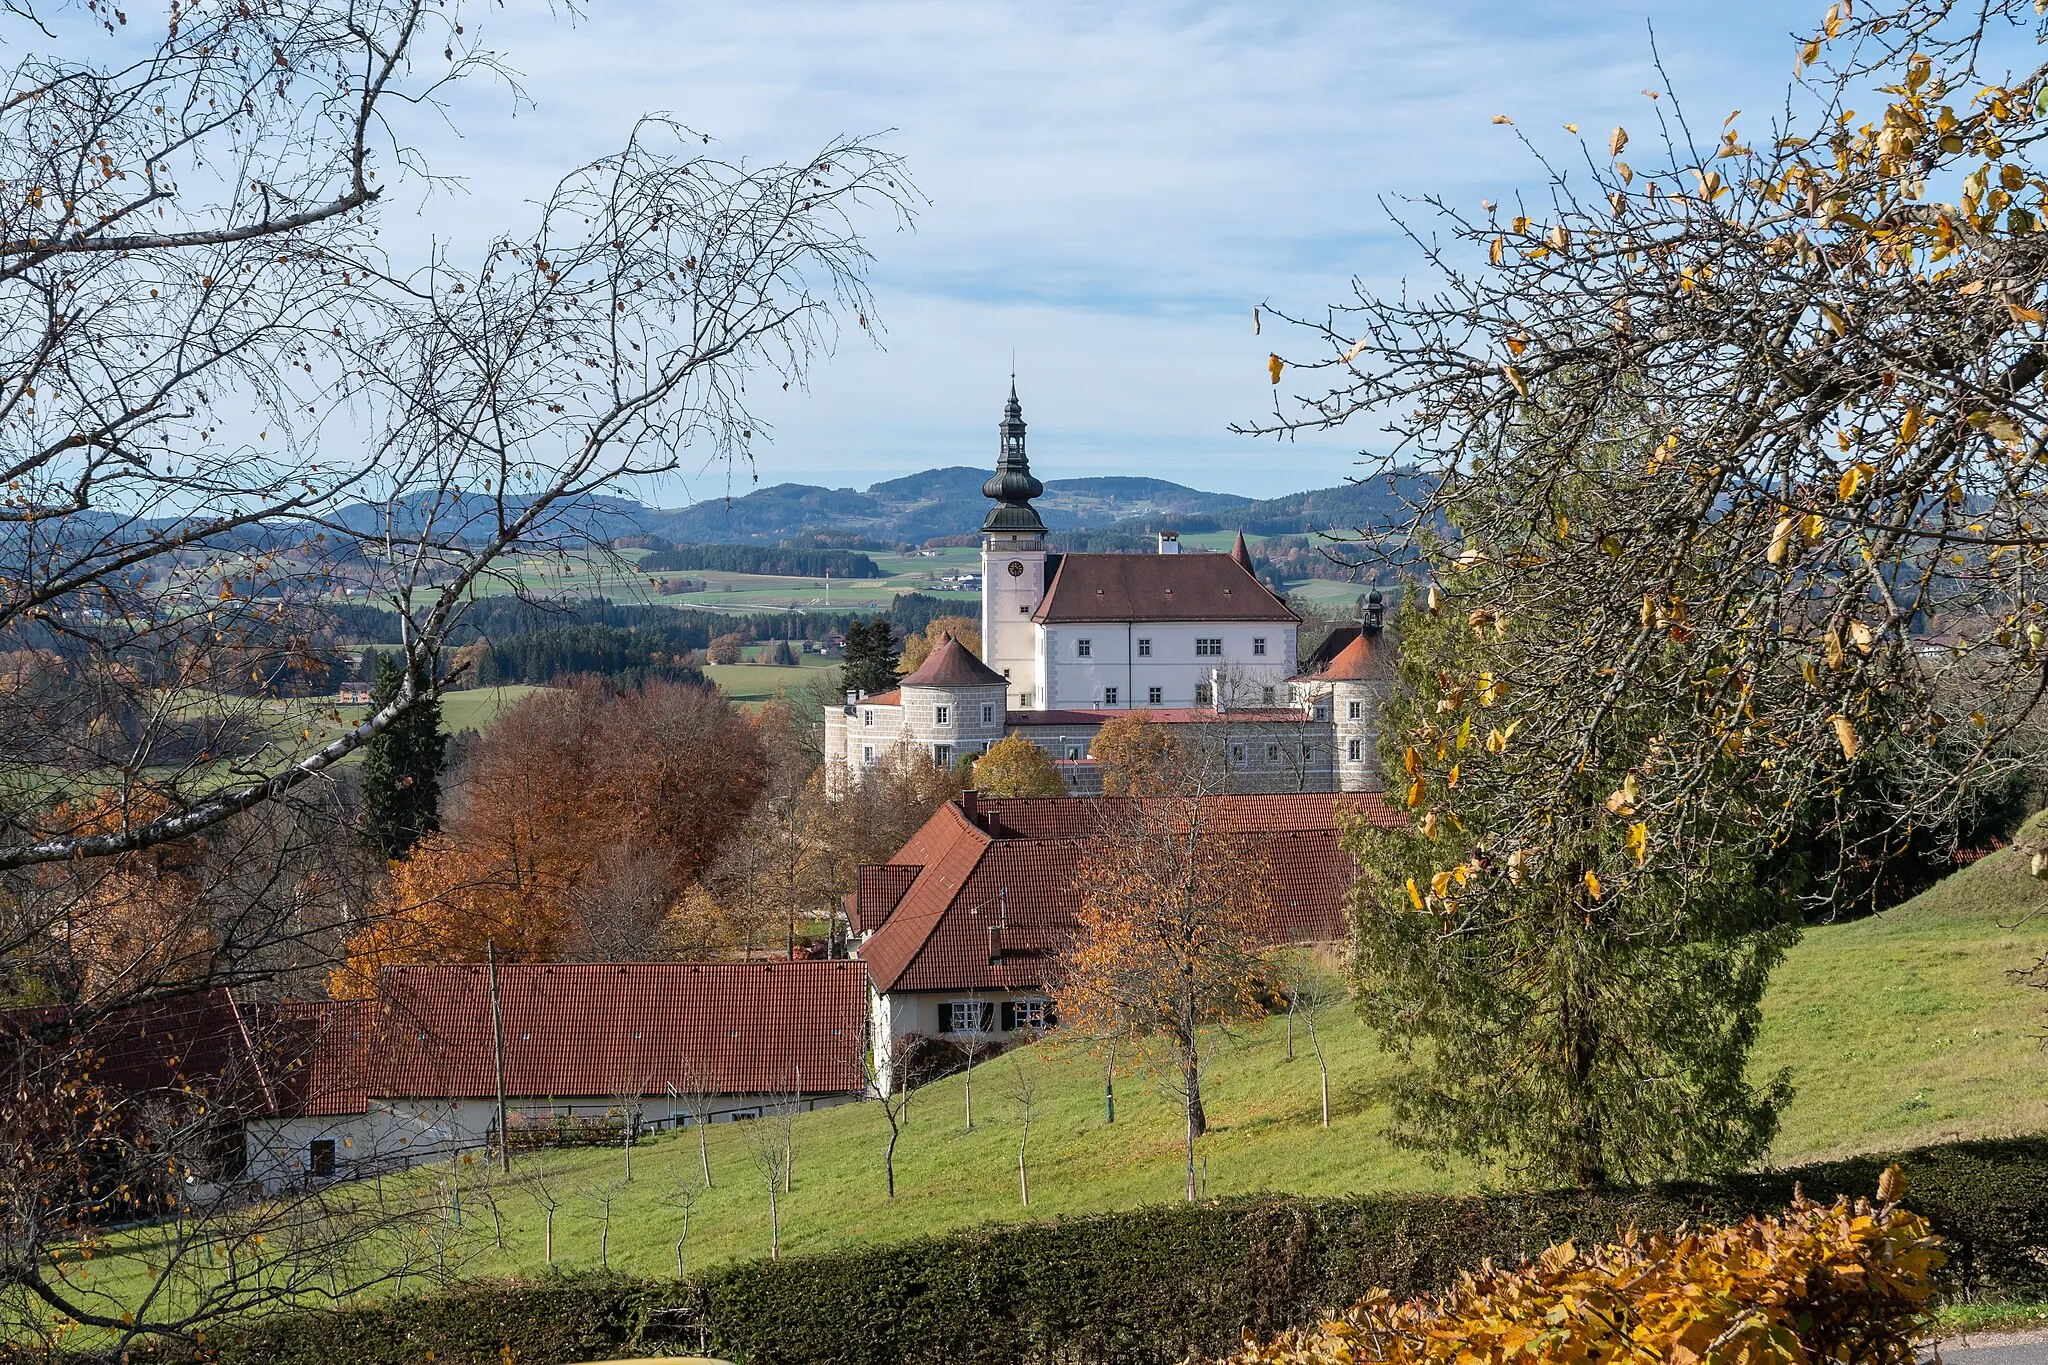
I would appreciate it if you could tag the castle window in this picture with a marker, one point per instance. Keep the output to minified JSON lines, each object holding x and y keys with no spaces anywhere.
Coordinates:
{"x":1356,"y":750}
{"x":867,"y":754}
{"x":988,"y":713}
{"x":1237,"y":755}
{"x":1259,"y":645}
{"x":1269,"y":696}
{"x":1073,"y":753}
{"x":1109,"y":696}
{"x":867,"y":718}
{"x":1208,"y":647}
{"x":1305,"y":751}
{"x":1084,"y":649}
{"x":1356,"y":709}
{"x":1144,"y":649}
{"x":942,"y":755}
{"x":942,"y":715}
{"x":1153,"y":696}
{"x":1203,"y":694}
{"x":1272,"y":753}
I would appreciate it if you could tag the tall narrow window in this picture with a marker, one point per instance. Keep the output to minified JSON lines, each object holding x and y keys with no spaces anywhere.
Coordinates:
{"x":1355,"y":709}
{"x":1144,"y":649}
{"x":1355,"y":751}
{"x":988,"y":713}
{"x":320,"y":1158}
{"x":1084,"y":649}
{"x":1259,"y":645}
{"x":942,"y":715}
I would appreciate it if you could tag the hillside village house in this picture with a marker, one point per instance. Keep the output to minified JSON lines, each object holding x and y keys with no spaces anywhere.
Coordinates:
{"x":1069,"y":640}
{"x":963,"y":930}
{"x":412,"y":1075}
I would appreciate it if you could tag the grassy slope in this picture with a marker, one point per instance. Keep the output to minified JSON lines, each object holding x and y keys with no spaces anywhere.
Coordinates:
{"x":749,"y":683}
{"x":1898,"y":1030}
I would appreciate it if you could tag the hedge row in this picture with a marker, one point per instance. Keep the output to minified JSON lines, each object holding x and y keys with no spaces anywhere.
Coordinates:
{"x":1148,"y":1287}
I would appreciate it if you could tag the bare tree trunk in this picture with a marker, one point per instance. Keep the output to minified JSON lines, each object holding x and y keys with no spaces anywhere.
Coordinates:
{"x":1322,"y":1063}
{"x":1023,"y":1168}
{"x":1290,"y":1030}
{"x":679,"y":1249}
{"x":774,"y":1222}
{"x":704,"y":1151}
{"x":968,"y":1090}
{"x":889,"y":1159}
{"x":548,"y":1239}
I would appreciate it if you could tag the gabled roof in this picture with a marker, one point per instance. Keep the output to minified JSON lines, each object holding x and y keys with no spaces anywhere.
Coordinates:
{"x":319,"y":1055}
{"x":597,"y":1029}
{"x":1131,"y":587}
{"x":171,"y":1049}
{"x":1012,"y":863}
{"x":952,"y":665}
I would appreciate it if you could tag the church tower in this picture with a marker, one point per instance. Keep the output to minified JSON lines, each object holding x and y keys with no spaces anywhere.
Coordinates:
{"x":1012,"y":562}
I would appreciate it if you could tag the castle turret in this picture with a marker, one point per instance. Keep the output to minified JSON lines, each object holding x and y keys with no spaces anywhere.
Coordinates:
{"x":1012,"y":559}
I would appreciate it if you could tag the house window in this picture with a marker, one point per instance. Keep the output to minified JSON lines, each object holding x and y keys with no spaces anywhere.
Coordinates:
{"x":942,"y":755}
{"x":1202,"y":694}
{"x":1269,"y":696}
{"x":1272,"y":753}
{"x":1027,"y":1014}
{"x":1109,"y":696}
{"x":1355,"y":751}
{"x":1355,"y":710}
{"x":1144,"y":649}
{"x":967,"y":1016}
{"x":736,"y":1115}
{"x":1259,"y":645}
{"x":1305,"y":753}
{"x":1154,"y":695}
{"x":942,"y":715}
{"x":867,"y":754}
{"x":1237,"y":755}
{"x":867,"y":718}
{"x":1084,"y":649}
{"x":988,"y":713}
{"x":320,"y":1157}
{"x":1208,"y":646}
{"x":1073,"y":753}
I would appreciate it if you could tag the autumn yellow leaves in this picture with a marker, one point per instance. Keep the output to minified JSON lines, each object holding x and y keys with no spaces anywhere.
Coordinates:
{"x":1821,"y":1282}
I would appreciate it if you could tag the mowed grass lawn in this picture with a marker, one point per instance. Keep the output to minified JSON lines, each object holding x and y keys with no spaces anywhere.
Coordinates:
{"x":1898,"y":1030}
{"x":751,"y":684}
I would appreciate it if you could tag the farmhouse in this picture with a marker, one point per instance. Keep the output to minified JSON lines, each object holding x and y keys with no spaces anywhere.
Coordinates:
{"x":963,"y":930}
{"x":413,"y":1074}
{"x":1070,"y":640}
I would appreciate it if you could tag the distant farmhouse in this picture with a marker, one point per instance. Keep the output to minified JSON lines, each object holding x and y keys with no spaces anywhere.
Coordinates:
{"x":963,"y":930}
{"x":1069,"y":640}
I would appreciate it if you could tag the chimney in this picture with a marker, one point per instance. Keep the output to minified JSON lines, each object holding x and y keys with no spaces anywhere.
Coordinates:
{"x":1169,"y":542}
{"x":852,"y":696}
{"x":970,"y":805}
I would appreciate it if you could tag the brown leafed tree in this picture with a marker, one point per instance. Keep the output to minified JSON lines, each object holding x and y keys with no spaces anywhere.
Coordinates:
{"x":1755,"y":405}
{"x":1173,"y":912}
{"x":919,"y":647}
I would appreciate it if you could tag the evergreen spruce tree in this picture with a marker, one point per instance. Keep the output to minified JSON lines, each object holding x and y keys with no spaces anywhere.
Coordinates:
{"x":870,"y":664}
{"x":402,"y":771}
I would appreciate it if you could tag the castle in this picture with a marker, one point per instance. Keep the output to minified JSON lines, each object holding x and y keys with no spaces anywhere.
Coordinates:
{"x":1070,"y":640}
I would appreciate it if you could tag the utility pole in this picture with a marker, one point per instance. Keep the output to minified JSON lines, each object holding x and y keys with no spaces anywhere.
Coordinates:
{"x":498,"y":1058}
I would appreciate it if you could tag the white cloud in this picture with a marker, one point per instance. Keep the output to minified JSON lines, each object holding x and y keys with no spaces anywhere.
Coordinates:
{"x":1112,"y":186}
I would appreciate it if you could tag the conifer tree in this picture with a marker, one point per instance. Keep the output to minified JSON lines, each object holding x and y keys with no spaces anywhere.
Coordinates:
{"x":402,"y":771}
{"x":870,"y":657}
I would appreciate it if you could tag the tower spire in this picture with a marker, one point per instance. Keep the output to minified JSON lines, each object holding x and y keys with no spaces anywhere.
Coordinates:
{"x":1012,"y":486}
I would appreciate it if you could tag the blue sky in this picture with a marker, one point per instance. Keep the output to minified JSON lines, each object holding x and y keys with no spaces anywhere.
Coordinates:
{"x":1112,"y":187}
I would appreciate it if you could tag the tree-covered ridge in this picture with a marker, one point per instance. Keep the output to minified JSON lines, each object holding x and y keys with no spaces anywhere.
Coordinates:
{"x":763,"y":559}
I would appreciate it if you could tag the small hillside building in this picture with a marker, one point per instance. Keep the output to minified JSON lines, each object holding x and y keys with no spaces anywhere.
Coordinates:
{"x":963,"y":931}
{"x":412,"y":1075}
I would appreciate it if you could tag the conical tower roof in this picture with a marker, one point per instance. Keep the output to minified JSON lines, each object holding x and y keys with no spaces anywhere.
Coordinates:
{"x":953,"y":665}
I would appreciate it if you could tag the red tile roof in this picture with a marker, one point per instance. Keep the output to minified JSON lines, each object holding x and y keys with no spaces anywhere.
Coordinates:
{"x":890,"y":698}
{"x":597,"y":1029}
{"x":1013,"y":863}
{"x":318,"y":1055}
{"x":1366,"y":659}
{"x":951,"y":665}
{"x":192,"y":1045}
{"x":1184,"y":587}
{"x":881,"y":885}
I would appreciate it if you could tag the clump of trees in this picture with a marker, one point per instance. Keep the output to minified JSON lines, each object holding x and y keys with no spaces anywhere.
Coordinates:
{"x":870,"y":662}
{"x":401,"y":784}
{"x":783,"y":561}
{"x":578,"y":828}
{"x":918,"y":645}
{"x":1014,"y":766}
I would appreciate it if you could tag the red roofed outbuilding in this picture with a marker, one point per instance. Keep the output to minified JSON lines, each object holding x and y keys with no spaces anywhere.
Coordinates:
{"x":966,"y":926}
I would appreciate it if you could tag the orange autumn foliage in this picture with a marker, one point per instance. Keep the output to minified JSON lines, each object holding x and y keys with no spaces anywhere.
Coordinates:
{"x":665,"y":772}
{"x":1846,"y":1282}
{"x":135,"y":918}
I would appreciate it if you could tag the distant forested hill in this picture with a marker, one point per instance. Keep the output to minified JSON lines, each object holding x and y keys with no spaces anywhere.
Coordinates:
{"x":762,"y":559}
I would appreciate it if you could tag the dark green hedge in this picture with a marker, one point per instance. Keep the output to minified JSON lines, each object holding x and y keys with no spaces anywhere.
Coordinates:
{"x":1149,"y":1286}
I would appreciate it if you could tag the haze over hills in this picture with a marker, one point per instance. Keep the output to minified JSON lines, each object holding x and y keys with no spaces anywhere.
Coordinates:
{"x":949,"y":502}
